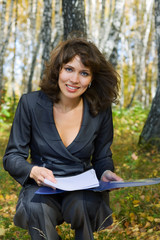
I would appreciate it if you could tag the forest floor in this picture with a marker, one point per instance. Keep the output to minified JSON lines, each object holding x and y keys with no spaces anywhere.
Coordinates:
{"x":136,"y":210}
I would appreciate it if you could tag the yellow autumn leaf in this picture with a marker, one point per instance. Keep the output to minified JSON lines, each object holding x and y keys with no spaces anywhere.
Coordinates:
{"x":1,"y":197}
{"x":6,"y":215}
{"x":147,"y":225}
{"x":142,"y":214}
{"x":157,"y":220}
{"x":2,"y":231}
{"x":136,"y":203}
{"x":132,"y":215}
{"x":7,"y":197}
{"x":157,"y":205}
{"x":142,"y":235}
{"x":148,"y":198}
{"x":135,"y":228}
{"x":149,"y":218}
{"x":150,"y":230}
{"x":11,"y":197}
{"x":155,"y":172}
{"x":58,"y":230}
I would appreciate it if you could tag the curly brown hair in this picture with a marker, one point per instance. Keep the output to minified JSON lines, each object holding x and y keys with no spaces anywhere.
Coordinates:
{"x":105,"y":81}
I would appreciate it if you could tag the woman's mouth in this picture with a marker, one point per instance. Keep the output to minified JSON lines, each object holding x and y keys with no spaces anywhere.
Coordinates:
{"x":72,"y":88}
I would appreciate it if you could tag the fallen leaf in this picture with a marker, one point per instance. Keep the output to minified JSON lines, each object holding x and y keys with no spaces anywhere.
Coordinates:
{"x":157,"y":220}
{"x":126,"y":224}
{"x":142,"y":197}
{"x":134,"y":156}
{"x":2,"y":231}
{"x":149,"y":218}
{"x":1,"y":197}
{"x":157,"y":205}
{"x":147,"y":225}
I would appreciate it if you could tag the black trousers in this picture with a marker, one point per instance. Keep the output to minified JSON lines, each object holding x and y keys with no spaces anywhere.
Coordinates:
{"x":86,"y":211}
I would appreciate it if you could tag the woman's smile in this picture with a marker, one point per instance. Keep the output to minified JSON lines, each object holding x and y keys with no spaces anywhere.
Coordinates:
{"x":71,"y":88}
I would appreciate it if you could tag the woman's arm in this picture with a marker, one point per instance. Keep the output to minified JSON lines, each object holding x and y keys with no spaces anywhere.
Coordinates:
{"x":17,"y":150}
{"x":102,"y":157}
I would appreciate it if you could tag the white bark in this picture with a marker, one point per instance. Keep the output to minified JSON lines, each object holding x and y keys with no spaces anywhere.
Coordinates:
{"x":14,"y":57}
{"x":147,"y":23}
{"x":46,"y":32}
{"x":141,"y":39}
{"x":122,"y":38}
{"x":5,"y":41}
{"x":58,"y":29}
{"x":115,"y":27}
{"x":1,"y":43}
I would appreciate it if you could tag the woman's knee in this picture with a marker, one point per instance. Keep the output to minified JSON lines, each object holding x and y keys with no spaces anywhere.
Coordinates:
{"x":26,"y":208}
{"x":73,"y":208}
{"x":80,"y":206}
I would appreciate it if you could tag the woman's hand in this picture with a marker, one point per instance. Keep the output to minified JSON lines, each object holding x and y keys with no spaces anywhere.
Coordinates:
{"x":108,"y":176}
{"x":40,"y":173}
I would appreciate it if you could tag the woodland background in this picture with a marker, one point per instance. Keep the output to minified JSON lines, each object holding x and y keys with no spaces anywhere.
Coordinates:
{"x":128,"y":33}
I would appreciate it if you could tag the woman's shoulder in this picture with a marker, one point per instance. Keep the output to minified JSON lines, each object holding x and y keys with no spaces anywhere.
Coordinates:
{"x":100,"y":118}
{"x":32,"y":96}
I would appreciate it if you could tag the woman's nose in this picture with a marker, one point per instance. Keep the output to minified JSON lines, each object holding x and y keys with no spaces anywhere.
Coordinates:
{"x":75,"y":78}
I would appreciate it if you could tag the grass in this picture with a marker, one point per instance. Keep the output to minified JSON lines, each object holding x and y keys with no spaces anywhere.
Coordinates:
{"x":135,"y":210}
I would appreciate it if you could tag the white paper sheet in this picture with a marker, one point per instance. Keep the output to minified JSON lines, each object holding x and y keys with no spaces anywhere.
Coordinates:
{"x":81,"y":181}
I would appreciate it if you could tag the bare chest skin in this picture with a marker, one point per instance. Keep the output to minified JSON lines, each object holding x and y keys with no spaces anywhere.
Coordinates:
{"x":68,"y":123}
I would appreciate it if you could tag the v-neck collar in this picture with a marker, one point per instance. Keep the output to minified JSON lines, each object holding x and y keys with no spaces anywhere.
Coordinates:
{"x":47,"y":127}
{"x":79,"y":132}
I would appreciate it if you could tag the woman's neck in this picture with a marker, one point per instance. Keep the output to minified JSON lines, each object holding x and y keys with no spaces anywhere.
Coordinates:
{"x":66,"y":105}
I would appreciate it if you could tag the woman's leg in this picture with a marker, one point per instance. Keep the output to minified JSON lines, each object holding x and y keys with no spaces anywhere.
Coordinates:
{"x":86,"y":211}
{"x":42,"y":214}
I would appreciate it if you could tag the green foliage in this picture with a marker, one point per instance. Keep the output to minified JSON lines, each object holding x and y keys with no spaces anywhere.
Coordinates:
{"x":7,"y":108}
{"x":135,"y":210}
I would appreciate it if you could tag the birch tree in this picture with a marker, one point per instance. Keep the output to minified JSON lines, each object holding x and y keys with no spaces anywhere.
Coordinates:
{"x":151,"y":131}
{"x":14,"y":57}
{"x":4,"y":38}
{"x":46,"y":32}
{"x":1,"y":42}
{"x":58,"y":29}
{"x":35,"y":44}
{"x":140,"y":51}
{"x":73,"y":18}
{"x":115,"y":28}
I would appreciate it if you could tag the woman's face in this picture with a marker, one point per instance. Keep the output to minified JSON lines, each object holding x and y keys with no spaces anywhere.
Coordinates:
{"x":74,"y":78}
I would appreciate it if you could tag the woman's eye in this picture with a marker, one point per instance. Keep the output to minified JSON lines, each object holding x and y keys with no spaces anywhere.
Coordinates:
{"x":85,"y":74}
{"x":68,"y":69}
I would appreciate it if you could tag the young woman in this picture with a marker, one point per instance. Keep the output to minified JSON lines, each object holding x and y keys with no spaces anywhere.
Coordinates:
{"x":66,"y":128}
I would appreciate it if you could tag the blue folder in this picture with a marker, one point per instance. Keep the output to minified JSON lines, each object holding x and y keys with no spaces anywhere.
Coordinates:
{"x":103,"y":186}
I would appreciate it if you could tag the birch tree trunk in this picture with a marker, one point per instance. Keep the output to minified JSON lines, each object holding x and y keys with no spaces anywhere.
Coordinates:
{"x":14,"y":57}
{"x":33,"y":64}
{"x":46,"y":32}
{"x":1,"y":43}
{"x":142,"y":42}
{"x":151,"y":132}
{"x":115,"y":28}
{"x":102,"y":22}
{"x":4,"y":39}
{"x":58,"y":24}
{"x":88,"y":15}
{"x":147,"y":22}
{"x":35,"y":46}
{"x":74,"y":22}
